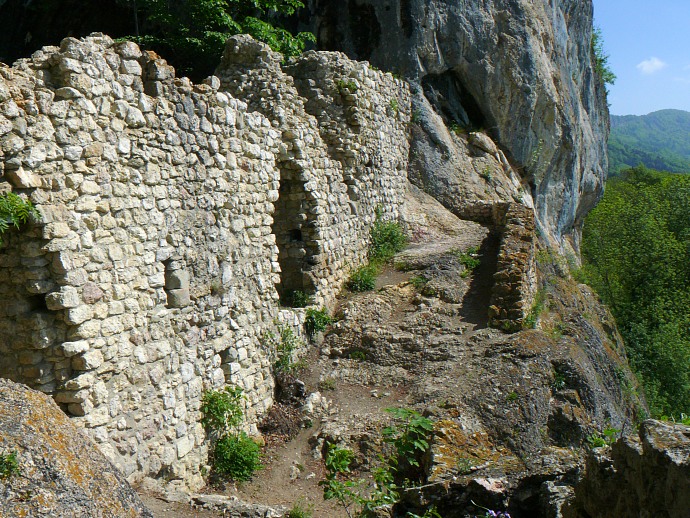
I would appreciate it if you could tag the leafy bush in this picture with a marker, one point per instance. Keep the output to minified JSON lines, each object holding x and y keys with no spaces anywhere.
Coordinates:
{"x":409,"y":438}
{"x":192,"y":34}
{"x":9,"y":465}
{"x":15,"y":211}
{"x":284,"y":347}
{"x":327,"y":384}
{"x":363,"y":279}
{"x":348,"y":86}
{"x":295,"y":299}
{"x":317,"y":320}
{"x":606,"y":438}
{"x":387,"y":239}
{"x":419,"y":281}
{"x":237,"y":456}
{"x":234,"y":453}
{"x":468,"y":259}
{"x":601,"y":59}
{"x":636,"y":252}
{"x":222,"y":409}
{"x":530,"y":321}
{"x":301,"y":509}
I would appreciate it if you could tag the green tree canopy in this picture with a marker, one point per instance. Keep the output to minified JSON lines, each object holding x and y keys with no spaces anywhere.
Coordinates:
{"x":191,"y":34}
{"x":636,"y":248}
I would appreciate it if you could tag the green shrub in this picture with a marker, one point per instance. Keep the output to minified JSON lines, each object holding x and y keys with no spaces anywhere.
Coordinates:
{"x":9,"y":465}
{"x":222,"y":409}
{"x":358,"y":355}
{"x":419,"y":281}
{"x":530,"y":321}
{"x":606,"y":438}
{"x":327,"y":384}
{"x":285,"y":346}
{"x":363,"y":279}
{"x":346,"y":86}
{"x":192,"y":34}
{"x":469,"y":258}
{"x":237,"y":456}
{"x":234,"y":453}
{"x":317,"y":320}
{"x":295,"y":299}
{"x":409,"y":437}
{"x":301,"y":509}
{"x":387,"y":239}
{"x":601,"y":59}
{"x":15,"y":211}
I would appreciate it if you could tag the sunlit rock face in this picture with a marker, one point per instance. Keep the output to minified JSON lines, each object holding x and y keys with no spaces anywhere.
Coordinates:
{"x":518,"y":68}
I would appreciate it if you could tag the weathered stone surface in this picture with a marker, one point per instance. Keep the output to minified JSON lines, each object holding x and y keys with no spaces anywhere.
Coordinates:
{"x":521,"y":69}
{"x":633,"y":478}
{"x":174,"y":215}
{"x":232,"y":507}
{"x":61,"y":472}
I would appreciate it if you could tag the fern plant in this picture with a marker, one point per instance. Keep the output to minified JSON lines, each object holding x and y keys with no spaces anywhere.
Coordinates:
{"x":15,"y":211}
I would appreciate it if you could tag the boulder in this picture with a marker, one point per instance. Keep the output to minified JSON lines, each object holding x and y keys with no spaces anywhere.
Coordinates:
{"x":59,"y":471}
{"x":633,"y":478}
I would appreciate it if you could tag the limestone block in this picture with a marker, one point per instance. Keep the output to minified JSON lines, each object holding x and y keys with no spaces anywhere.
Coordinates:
{"x":178,"y":298}
{"x":68,"y":92}
{"x":22,"y":179}
{"x":70,"y":349}
{"x":134,"y":117}
{"x":88,"y":361}
{"x":178,"y":279}
{"x":79,"y":314}
{"x":91,"y":293}
{"x":67,"y":297}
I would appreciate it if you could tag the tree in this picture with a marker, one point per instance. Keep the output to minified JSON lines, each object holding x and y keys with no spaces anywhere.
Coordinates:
{"x":636,"y":247}
{"x":191,"y":34}
{"x":601,"y":58}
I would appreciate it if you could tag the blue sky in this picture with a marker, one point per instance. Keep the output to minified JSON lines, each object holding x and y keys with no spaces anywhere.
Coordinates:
{"x":649,"y":47}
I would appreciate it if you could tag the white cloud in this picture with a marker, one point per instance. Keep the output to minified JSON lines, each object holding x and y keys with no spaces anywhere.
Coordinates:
{"x":651,"y":65}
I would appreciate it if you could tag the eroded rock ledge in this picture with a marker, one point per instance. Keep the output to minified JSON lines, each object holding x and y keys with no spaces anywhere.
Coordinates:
{"x":645,"y":476}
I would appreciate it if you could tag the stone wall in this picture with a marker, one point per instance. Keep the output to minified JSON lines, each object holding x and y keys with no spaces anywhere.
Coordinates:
{"x":515,"y":280}
{"x":172,"y":215}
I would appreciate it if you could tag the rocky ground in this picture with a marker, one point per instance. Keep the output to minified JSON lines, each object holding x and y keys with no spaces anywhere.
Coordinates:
{"x":511,"y":411}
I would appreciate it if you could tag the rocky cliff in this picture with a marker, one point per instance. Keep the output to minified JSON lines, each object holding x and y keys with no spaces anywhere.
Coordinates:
{"x":522,"y":70}
{"x":175,"y":216}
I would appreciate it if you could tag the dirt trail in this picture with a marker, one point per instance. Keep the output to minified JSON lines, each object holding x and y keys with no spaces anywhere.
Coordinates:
{"x":358,"y":391}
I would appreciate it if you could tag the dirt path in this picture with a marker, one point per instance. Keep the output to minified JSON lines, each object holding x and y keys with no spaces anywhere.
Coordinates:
{"x":359,"y":390}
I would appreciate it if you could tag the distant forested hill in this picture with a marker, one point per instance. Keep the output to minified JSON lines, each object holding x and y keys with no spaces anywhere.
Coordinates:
{"x":659,"y":140}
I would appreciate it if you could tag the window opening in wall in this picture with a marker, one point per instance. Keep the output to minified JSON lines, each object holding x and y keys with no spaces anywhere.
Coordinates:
{"x":37,"y":303}
{"x":176,"y":284}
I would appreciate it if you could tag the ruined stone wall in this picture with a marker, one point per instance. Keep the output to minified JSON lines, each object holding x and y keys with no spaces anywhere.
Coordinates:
{"x":341,"y":125}
{"x":172,"y":215}
{"x":515,"y":280}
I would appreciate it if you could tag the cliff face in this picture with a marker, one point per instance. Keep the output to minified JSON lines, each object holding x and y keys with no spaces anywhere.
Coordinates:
{"x":520,"y":69}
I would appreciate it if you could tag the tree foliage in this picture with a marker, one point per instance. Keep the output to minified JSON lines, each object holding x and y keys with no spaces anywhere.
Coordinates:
{"x":601,"y":58}
{"x":636,"y":247}
{"x":191,"y":34}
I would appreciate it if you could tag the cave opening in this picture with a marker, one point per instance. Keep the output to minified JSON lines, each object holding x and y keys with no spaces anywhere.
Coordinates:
{"x":453,"y":100}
